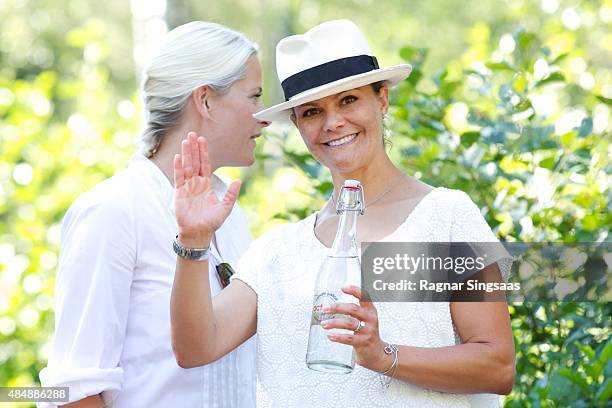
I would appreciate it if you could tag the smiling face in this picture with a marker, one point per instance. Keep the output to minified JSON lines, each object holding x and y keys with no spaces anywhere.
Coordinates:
{"x":344,"y":131}
{"x":231,"y":129}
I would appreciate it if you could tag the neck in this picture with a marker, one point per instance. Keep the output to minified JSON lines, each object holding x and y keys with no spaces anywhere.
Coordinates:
{"x":165,"y":162}
{"x":375,"y":178}
{"x":171,"y":145}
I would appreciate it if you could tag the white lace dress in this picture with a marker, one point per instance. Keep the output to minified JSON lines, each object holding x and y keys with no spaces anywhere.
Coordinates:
{"x":281,"y":268}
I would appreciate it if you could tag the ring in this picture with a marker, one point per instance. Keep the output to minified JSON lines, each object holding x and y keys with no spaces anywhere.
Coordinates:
{"x":360,"y":325}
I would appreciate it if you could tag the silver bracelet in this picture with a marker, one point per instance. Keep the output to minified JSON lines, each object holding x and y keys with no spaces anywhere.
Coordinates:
{"x":390,"y":372}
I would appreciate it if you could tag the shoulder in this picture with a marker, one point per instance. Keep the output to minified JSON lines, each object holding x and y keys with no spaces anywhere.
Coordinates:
{"x":438,"y":200}
{"x":110,"y":199}
{"x":467,"y":220}
{"x":284,"y":236}
{"x":287,"y":231}
{"x":460,"y":202}
{"x":450,"y":200}
{"x":455,"y":205}
{"x":448,"y":214}
{"x":275,"y":250}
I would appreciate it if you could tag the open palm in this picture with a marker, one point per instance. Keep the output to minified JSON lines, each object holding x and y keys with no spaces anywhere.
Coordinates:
{"x":196,"y":206}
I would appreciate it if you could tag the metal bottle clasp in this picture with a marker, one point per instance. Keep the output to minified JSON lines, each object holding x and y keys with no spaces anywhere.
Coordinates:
{"x":361,"y":206}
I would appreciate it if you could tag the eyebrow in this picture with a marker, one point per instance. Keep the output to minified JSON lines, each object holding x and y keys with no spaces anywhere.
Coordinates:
{"x":259,"y":89}
{"x":348,"y":91}
{"x":306,"y":104}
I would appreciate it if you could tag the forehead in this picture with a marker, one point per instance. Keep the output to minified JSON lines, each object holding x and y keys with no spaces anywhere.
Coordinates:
{"x":253,"y":67}
{"x":252,"y":72}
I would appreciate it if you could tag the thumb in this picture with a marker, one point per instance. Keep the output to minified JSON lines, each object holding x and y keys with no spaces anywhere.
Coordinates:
{"x":231,"y":194}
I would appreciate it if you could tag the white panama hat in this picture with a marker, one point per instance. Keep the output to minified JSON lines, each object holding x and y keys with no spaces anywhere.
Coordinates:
{"x":329,"y":58}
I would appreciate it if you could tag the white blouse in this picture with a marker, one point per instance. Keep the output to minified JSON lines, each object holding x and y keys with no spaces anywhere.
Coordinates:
{"x":112,"y":300}
{"x":281,"y":268}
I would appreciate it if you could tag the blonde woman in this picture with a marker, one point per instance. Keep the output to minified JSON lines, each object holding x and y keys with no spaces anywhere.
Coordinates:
{"x":112,"y":335}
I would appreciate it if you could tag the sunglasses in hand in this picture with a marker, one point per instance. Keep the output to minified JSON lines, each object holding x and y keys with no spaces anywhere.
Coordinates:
{"x":224,"y":272}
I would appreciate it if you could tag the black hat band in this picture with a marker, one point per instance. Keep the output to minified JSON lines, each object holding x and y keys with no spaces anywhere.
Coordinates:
{"x":326,"y":73}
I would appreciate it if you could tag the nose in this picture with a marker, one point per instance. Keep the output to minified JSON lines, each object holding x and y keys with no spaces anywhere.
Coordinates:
{"x":262,"y":123}
{"x":333,"y":120}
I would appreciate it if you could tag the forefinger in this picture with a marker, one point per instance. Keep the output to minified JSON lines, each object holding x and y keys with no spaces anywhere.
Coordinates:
{"x":187,"y":163}
{"x":204,"y":169}
{"x":179,"y":173}
{"x":195,"y":152}
{"x":356,"y":291}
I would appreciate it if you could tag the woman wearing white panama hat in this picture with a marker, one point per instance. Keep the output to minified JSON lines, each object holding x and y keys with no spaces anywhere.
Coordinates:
{"x":112,"y":324}
{"x":449,"y":354}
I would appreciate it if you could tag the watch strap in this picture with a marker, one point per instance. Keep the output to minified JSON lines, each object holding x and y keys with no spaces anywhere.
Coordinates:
{"x":192,"y":254}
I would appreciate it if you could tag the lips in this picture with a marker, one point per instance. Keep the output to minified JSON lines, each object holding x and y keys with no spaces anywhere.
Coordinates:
{"x":341,"y":141}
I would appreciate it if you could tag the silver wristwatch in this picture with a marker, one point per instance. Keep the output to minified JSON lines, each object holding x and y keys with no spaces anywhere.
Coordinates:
{"x":192,"y":254}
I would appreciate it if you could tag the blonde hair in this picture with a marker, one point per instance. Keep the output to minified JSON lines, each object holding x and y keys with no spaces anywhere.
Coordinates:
{"x":194,"y":54}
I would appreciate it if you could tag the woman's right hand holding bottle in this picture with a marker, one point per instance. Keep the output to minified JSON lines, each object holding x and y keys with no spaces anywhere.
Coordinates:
{"x":199,"y":212}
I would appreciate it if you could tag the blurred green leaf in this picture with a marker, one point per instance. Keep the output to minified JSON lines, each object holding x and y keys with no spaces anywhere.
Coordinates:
{"x":605,"y":100}
{"x":604,"y":394}
{"x":548,"y":163}
{"x":559,"y":58}
{"x":500,"y":66}
{"x":469,"y":138}
{"x":413,"y":55}
{"x":552,"y":77}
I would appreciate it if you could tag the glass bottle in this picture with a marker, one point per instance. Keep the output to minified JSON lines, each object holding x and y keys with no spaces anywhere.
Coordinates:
{"x":341,"y":267}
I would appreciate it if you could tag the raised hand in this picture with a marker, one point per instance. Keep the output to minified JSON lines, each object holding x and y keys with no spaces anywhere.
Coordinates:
{"x":199,"y":213}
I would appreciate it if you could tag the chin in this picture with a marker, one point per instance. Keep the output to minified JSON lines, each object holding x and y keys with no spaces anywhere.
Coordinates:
{"x":239,"y":162}
{"x":348,"y":165}
{"x":246,"y":162}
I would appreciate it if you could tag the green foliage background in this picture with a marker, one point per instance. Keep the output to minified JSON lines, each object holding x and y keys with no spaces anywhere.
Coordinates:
{"x":509,"y":101}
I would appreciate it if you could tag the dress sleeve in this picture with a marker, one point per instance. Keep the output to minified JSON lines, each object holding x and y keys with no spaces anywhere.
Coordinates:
{"x":250,"y":263}
{"x":259,"y":258}
{"x":92,"y":297}
{"x":468,"y":225}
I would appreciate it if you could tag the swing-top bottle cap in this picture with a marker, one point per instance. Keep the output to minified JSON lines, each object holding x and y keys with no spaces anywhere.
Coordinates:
{"x":351,"y":202}
{"x":352,"y":183}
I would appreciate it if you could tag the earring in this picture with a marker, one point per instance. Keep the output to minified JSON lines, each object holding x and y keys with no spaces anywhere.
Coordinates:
{"x":385,"y":126}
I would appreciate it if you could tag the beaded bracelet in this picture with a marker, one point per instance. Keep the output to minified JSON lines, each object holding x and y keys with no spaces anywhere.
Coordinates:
{"x":390,"y":372}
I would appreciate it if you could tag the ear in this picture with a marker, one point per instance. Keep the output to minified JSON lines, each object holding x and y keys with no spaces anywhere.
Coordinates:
{"x":383,"y":94}
{"x":201,"y":100}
